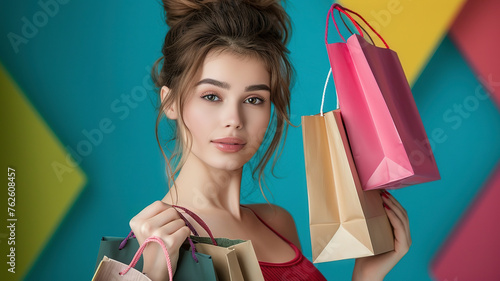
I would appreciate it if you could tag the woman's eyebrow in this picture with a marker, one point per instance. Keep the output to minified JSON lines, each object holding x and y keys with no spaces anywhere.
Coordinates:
{"x":214,"y":82}
{"x":226,"y":86}
{"x":259,"y":87}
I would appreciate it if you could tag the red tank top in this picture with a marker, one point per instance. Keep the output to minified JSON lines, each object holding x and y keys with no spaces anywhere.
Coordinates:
{"x":298,"y":269}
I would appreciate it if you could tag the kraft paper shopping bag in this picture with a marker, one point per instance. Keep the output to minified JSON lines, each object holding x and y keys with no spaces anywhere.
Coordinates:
{"x":233,"y":259}
{"x":345,"y":221}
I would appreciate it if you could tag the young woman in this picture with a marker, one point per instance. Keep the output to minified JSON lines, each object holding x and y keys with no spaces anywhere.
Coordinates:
{"x":224,"y":66}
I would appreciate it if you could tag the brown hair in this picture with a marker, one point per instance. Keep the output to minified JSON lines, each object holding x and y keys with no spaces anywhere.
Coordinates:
{"x":257,"y":28}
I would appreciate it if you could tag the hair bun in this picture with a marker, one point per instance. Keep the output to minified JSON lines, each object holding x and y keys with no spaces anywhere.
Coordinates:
{"x":176,"y":10}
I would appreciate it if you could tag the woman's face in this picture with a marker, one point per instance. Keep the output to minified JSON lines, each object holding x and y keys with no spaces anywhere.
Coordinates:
{"x":228,"y":111}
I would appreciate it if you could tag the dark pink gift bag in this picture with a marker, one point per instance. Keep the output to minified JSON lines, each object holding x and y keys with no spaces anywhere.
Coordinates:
{"x":386,"y":134}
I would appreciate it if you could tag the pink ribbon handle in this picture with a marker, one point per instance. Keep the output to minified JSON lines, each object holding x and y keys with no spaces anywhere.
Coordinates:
{"x":141,"y":249}
{"x":193,"y":230}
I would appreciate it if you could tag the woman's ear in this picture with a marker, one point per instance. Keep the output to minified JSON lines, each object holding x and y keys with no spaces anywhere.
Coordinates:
{"x":171,"y":111}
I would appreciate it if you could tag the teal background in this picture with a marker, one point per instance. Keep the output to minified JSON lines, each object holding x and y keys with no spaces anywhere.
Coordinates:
{"x":78,"y":67}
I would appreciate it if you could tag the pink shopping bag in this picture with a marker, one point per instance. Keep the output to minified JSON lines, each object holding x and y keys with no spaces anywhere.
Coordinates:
{"x":386,"y":134}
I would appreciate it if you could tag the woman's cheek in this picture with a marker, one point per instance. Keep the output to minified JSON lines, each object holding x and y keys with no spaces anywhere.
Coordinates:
{"x":196,"y":115}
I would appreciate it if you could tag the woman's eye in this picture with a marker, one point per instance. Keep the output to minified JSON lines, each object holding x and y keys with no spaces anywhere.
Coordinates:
{"x":254,"y":100}
{"x":211,"y":97}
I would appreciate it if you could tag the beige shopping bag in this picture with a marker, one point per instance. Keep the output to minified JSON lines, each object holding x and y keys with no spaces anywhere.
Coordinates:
{"x":109,"y":270}
{"x":345,"y":221}
{"x":234,"y":260}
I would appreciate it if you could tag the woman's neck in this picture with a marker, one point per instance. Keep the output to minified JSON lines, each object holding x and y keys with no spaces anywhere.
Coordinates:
{"x":204,"y":188}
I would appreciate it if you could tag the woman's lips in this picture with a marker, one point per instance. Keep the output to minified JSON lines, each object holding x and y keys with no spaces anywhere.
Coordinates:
{"x":229,"y":144}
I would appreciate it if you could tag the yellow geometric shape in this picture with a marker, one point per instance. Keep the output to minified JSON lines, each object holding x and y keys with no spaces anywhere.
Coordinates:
{"x":42,"y":198}
{"x":411,"y":28}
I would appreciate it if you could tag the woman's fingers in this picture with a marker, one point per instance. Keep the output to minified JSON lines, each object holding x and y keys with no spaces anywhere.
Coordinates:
{"x":400,"y":228}
{"x":162,"y":223}
{"x":169,"y":228}
{"x":175,"y":239}
{"x":162,"y":220}
{"x":154,"y":217}
{"x":179,"y":236}
{"x":395,"y":202}
{"x":399,"y":220}
{"x":394,"y":205}
{"x":150,"y":211}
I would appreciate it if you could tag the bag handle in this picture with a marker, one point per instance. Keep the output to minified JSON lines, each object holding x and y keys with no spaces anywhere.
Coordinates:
{"x":198,"y":220}
{"x":132,"y":235}
{"x":191,"y":227}
{"x":124,"y":241}
{"x":324,"y":92}
{"x":362,"y":28}
{"x":343,"y":10}
{"x":141,"y":249}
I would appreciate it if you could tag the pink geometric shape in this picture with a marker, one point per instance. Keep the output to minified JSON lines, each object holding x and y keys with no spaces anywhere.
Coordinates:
{"x":476,"y":33}
{"x":472,"y":252}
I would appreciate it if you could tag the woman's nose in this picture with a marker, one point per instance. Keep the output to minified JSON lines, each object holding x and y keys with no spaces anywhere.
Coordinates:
{"x":233,"y":116}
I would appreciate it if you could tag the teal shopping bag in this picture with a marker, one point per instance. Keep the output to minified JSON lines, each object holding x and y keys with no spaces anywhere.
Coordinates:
{"x":199,"y":267}
{"x":113,"y":270}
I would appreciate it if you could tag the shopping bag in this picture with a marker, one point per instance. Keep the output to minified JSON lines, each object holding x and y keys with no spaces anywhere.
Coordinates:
{"x":191,"y":265}
{"x":388,"y":140}
{"x":233,"y":260}
{"x":119,"y":248}
{"x":112,"y":270}
{"x":345,"y":221}
{"x":199,"y":267}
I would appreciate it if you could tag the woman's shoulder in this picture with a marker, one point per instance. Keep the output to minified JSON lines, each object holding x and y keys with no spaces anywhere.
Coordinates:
{"x":278,"y":219}
{"x":270,"y":212}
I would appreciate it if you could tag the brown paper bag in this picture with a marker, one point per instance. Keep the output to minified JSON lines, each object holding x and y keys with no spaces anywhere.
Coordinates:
{"x":234,"y":260}
{"x":108,"y":271}
{"x":248,"y":261}
{"x":345,"y":221}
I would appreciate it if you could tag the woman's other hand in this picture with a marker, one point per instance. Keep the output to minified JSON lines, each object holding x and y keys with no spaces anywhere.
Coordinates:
{"x":377,"y":267}
{"x":159,"y":219}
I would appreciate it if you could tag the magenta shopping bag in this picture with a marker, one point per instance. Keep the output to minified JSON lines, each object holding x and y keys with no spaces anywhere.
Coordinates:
{"x":386,"y":134}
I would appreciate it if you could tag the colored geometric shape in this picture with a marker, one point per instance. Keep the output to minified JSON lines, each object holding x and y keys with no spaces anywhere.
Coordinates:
{"x":476,"y":34}
{"x":465,"y":139}
{"x":42,"y":195}
{"x":473,"y":250}
{"x":407,"y":24}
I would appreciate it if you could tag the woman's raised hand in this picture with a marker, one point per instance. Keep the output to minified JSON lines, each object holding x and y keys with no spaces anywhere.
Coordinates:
{"x":159,"y":219}
{"x":376,"y":267}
